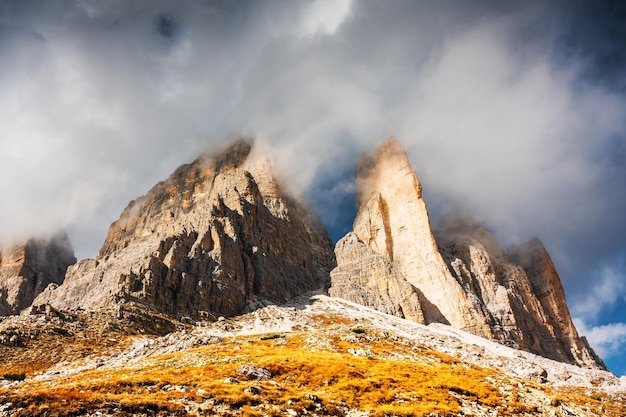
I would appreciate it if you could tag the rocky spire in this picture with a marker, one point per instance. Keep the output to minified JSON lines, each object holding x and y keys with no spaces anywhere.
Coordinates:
{"x":393,"y":222}
{"x":27,"y":268}
{"x":464,"y":278}
{"x":203,"y":243}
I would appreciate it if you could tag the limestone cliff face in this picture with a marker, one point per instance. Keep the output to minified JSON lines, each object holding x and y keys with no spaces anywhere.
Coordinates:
{"x":216,"y":233}
{"x":392,"y":221}
{"x":546,"y":286}
{"x":463,"y":278}
{"x":26,"y":269}
{"x":365,"y":277}
{"x":520,"y":293}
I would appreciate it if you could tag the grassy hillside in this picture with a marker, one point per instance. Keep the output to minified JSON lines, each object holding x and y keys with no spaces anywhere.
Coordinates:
{"x":341,"y":367}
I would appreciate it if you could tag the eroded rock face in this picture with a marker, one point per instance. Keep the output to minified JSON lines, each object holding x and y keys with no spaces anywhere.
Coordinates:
{"x":546,"y":286}
{"x":520,"y":293}
{"x":365,"y":277}
{"x":26,"y":269}
{"x":464,"y":278}
{"x":392,"y":222}
{"x":202,"y":243}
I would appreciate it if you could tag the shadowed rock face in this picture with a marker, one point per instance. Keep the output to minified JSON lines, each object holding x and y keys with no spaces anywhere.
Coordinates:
{"x":26,"y":269}
{"x":546,"y":286}
{"x":365,"y":277}
{"x":391,"y":261}
{"x":203,"y":243}
{"x":520,"y":292}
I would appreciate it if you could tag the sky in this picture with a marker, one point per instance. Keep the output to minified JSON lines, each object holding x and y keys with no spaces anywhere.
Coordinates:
{"x":511,"y":112}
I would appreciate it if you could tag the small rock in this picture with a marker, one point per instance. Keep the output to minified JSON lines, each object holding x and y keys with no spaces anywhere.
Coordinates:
{"x":231,"y":380}
{"x":536,"y":374}
{"x":254,"y":372}
{"x":252,"y":390}
{"x":313,"y":397}
{"x":361,"y":352}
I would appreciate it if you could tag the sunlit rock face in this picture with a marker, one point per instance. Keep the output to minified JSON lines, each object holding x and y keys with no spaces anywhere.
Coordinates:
{"x":460,"y":276}
{"x":393,"y":223}
{"x":27,"y":268}
{"x":520,"y":292}
{"x":203,"y":243}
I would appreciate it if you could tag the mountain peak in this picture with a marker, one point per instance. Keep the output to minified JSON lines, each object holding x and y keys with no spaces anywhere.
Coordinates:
{"x":221,"y":232}
{"x":461,"y":276}
{"x":393,"y":222}
{"x":27,"y":268}
{"x":374,"y":171}
{"x":203,"y":243}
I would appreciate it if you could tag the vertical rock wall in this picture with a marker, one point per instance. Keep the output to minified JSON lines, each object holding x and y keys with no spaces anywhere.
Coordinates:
{"x":26,"y":269}
{"x":391,"y":261}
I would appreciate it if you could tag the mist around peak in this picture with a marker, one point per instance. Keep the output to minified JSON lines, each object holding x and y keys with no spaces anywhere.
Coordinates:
{"x":515,"y":110}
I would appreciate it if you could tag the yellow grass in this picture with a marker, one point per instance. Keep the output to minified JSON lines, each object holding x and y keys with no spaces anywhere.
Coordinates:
{"x":303,"y":378}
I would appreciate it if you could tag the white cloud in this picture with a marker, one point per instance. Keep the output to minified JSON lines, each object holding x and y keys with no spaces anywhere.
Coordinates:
{"x":512,"y":131}
{"x":607,"y":287}
{"x":97,"y":108}
{"x":607,"y":340}
{"x":324,"y":16}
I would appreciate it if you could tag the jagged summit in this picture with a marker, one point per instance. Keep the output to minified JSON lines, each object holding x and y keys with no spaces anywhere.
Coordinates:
{"x":27,"y":268}
{"x":173,"y":198}
{"x":393,"y":222}
{"x":519,"y":292}
{"x":221,"y":232}
{"x":546,"y":285}
{"x":203,"y":243}
{"x":460,"y":275}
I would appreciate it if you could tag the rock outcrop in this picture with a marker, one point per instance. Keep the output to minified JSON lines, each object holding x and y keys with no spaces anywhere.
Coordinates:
{"x":365,"y":277}
{"x":203,"y":243}
{"x":520,"y":293}
{"x":546,"y":286}
{"x":392,"y":221}
{"x":26,"y":269}
{"x":463,"y":277}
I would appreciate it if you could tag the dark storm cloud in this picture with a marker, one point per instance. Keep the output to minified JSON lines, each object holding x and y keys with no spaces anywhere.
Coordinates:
{"x":165,"y":25}
{"x":513,"y":111}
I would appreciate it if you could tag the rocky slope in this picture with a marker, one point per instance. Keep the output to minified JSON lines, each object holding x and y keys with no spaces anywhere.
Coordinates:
{"x":317,"y":356}
{"x":202,"y":243}
{"x":27,"y":268}
{"x":464,"y":278}
{"x":220,"y":238}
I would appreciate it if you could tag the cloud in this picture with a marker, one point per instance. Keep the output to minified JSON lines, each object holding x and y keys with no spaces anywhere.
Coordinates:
{"x":608,"y":340}
{"x":598,"y":311}
{"x":324,"y":16}
{"x":102,"y":100}
{"x":608,"y":286}
{"x":513,"y":130}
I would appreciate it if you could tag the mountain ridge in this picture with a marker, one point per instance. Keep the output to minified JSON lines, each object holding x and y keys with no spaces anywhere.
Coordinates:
{"x":27,"y":268}
{"x":208,"y":297}
{"x":197,"y":244}
{"x":460,"y":274}
{"x":221,"y":231}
